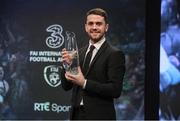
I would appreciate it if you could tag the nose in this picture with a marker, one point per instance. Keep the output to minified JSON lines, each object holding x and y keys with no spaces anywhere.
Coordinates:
{"x":94,"y":26}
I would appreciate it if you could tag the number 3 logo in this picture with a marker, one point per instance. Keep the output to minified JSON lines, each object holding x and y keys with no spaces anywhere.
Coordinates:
{"x":56,"y":39}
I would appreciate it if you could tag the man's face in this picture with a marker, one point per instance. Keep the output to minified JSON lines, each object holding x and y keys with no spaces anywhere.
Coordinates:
{"x":96,"y":27}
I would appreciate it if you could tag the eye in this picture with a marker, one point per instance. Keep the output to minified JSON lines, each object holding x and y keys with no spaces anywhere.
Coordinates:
{"x":90,"y":23}
{"x":99,"y":23}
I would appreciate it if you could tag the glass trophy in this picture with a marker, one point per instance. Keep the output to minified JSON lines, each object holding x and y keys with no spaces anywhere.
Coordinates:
{"x":71,"y":47}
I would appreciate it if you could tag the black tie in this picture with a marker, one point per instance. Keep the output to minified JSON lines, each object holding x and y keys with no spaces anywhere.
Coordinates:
{"x":88,"y":59}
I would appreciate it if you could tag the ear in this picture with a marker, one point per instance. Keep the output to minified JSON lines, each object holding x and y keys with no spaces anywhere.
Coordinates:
{"x":85,"y":27}
{"x":107,"y":27}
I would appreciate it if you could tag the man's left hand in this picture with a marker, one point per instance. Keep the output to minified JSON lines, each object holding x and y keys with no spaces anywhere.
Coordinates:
{"x":76,"y":79}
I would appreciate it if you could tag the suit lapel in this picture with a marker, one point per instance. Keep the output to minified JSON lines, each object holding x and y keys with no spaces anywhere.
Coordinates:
{"x":102,"y":48}
{"x":82,"y":55}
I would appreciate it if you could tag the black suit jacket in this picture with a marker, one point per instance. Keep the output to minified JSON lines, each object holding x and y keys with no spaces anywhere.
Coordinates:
{"x":104,"y":83}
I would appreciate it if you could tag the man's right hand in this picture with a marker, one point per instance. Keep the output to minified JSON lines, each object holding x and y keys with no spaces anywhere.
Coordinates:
{"x":66,"y":57}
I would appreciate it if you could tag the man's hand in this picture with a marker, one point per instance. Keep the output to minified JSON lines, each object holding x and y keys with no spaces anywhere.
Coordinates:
{"x":66,"y":57}
{"x":76,"y":79}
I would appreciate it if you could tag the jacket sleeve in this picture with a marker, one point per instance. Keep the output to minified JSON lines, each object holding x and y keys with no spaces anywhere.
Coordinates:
{"x":66,"y":85}
{"x":115,"y":72}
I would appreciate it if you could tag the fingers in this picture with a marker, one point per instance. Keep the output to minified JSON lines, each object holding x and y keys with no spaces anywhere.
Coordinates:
{"x":76,"y":79}
{"x":64,"y":49}
{"x":64,"y":53}
{"x":69,"y":76}
{"x":79,"y":69}
{"x":66,"y":56}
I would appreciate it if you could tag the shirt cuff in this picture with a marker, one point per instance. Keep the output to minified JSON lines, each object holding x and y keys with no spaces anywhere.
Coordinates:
{"x":84,"y":83}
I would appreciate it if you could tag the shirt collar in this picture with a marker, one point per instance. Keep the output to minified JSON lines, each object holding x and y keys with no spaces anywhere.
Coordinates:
{"x":98,"y":44}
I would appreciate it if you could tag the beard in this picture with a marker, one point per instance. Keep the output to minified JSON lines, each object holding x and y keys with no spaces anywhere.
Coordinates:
{"x":95,"y":37}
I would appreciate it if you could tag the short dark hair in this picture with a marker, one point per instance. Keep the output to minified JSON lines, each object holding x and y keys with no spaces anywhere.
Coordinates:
{"x":98,"y":11}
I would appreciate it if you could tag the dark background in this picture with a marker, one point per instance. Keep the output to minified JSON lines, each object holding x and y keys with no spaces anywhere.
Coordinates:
{"x":22,"y":28}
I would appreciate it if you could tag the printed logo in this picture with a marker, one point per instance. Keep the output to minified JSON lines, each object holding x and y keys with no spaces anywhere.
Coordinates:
{"x":52,"y":75}
{"x":54,"y":107}
{"x":56,"y":39}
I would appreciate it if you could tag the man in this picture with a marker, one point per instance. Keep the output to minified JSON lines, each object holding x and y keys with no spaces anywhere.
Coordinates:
{"x":95,"y":87}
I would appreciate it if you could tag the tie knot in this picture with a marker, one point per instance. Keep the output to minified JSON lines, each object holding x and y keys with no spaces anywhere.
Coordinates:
{"x":92,"y":48}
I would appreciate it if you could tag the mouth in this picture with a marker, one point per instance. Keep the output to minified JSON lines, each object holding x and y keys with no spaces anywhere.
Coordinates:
{"x":94,"y":32}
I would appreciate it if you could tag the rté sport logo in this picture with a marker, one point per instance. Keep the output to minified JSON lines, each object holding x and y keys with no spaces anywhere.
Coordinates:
{"x":47,"y":107}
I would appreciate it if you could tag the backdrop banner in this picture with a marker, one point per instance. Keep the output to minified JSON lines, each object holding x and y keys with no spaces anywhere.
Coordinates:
{"x":32,"y":35}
